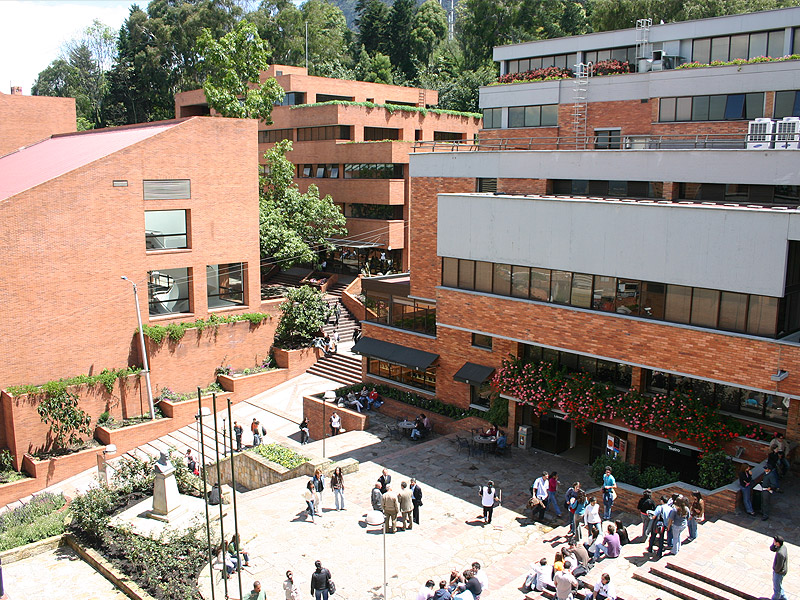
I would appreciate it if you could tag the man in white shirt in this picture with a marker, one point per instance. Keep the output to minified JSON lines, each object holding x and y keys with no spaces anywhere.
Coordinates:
{"x":565,"y":583}
{"x":540,"y":491}
{"x":540,"y":576}
{"x":603,"y":589}
{"x":481,"y":576}
{"x":426,"y":591}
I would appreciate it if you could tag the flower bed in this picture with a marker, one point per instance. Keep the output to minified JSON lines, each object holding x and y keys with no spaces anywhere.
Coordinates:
{"x":285,"y":457}
{"x":674,"y":416}
{"x":603,"y":67}
{"x":39,"y":518}
{"x":168,"y":394}
{"x":739,"y":61}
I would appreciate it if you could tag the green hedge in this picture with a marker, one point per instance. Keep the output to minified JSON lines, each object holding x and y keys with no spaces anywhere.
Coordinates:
{"x":107,"y":377}
{"x":433,"y":405}
{"x":631,"y":474}
{"x":276,"y":453}
{"x":175,"y":331}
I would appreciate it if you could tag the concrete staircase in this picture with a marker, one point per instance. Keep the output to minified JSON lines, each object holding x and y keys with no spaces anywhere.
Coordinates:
{"x":689,"y":584}
{"x":343,"y":367}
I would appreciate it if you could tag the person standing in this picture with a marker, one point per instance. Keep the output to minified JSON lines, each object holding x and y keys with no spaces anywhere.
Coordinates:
{"x":238,"y":431}
{"x":337,"y":485}
{"x":406,"y":507}
{"x":356,"y":334}
{"x":659,"y":526}
{"x":697,"y":514}
{"x":552,"y":488}
{"x":565,"y":582}
{"x":646,"y":506}
{"x":770,"y":485}
{"x":304,"y":433}
{"x":780,"y":566}
{"x":254,"y":429}
{"x":488,"y":495}
{"x":385,"y":479}
{"x":678,"y":520}
{"x":258,"y":593}
{"x":592,"y":515}
{"x":336,"y":314}
{"x":572,"y":492}
{"x":540,"y":491}
{"x":416,"y":497}
{"x":289,"y":587}
{"x":391,"y":506}
{"x":609,"y":493}
{"x":336,"y":423}
{"x":320,"y":582}
{"x":311,"y":496}
{"x":746,"y":485}
{"x":579,"y":510}
{"x":376,"y":497}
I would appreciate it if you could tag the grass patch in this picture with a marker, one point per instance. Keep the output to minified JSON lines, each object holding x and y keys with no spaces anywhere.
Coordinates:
{"x":276,"y":453}
{"x":38,"y":519}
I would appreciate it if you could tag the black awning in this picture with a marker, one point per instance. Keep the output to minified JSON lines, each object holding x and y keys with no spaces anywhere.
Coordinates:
{"x":473,"y":374}
{"x":394,"y":353}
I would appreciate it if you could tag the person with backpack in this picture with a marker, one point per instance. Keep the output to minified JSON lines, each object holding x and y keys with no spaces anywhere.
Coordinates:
{"x":488,"y":495}
{"x":659,"y":529}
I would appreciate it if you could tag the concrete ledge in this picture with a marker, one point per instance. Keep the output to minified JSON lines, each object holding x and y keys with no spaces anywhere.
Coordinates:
{"x":32,"y":549}
{"x":718,"y":502}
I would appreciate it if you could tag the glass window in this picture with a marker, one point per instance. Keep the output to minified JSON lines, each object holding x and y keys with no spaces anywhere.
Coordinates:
{"x":320,"y":171}
{"x":561,"y":286}
{"x":378,"y":309}
{"x":705,"y":307}
{"x":628,"y":296}
{"x":739,"y":45}
{"x":502,"y":279}
{"x":754,"y":105}
{"x":732,"y":311}
{"x":426,"y":317}
{"x":481,"y":395}
{"x":784,"y":104}
{"x":618,"y":189}
{"x":590,"y":57}
{"x":720,"y":47}
{"x":605,"y":293}
{"x":549,"y":115}
{"x":516,"y":116}
{"x":775,"y":43}
{"x":165,"y":229}
{"x":580,"y":187}
{"x":796,"y":41}
{"x":678,"y":305}
{"x":450,"y":272}
{"x":168,"y":291}
{"x":607,"y":139}
{"x":513,"y":66}
{"x":483,"y":276}
{"x":716,"y":107}
{"x":700,"y":108}
{"x":758,"y":45}
{"x":540,"y":284}
{"x":560,"y":61}
{"x":587,"y":364}
{"x":683,"y":109}
{"x":762,"y":316}
{"x":654,"y":300}
{"x":492,"y":118}
{"x":701,"y":51}
{"x":533,"y":116}
{"x":402,"y":315}
{"x":581,"y":290}
{"x":666,"y":107}
{"x":225,"y":285}
{"x":520,"y":281}
{"x":734,"y":108}
{"x":603,"y":55}
{"x":533,"y":63}
{"x":481,"y":340}
{"x":466,"y":274}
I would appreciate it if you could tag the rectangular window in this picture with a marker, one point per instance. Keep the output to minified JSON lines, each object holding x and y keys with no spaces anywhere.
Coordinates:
{"x":270,"y":136}
{"x":424,"y":380}
{"x":373,"y":171}
{"x":492,"y":118}
{"x":292,"y":99}
{"x":732,"y":311}
{"x":502,"y":279}
{"x":516,"y":116}
{"x":480,"y":396}
{"x":466,"y":274}
{"x":487,"y":185}
{"x":328,"y":132}
{"x":520,"y":281}
{"x":168,"y":291}
{"x":607,"y":139}
{"x":479,"y":340}
{"x":705,"y":307}
{"x":484,"y":272}
{"x":540,"y":284}
{"x":377,"y":309}
{"x":549,"y":115}
{"x":762,"y":316}
{"x":758,"y":44}
{"x":561,"y":286}
{"x":700,"y":108}
{"x":654,"y":300}
{"x":450,"y":272}
{"x":716,"y":107}
{"x":605,"y":293}
{"x":754,"y":105}
{"x":374,"y":134}
{"x":739,"y":46}
{"x":165,"y":229}
{"x":666,"y":110}
{"x":581,"y":290}
{"x":225,"y":285}
{"x":447,"y":136}
{"x":533,"y":116}
{"x":720,"y":47}
{"x":167,"y":189}
{"x":683,"y":109}
{"x":734,"y":108}
{"x":775,"y":43}
{"x":701,"y":51}
{"x":679,"y":303}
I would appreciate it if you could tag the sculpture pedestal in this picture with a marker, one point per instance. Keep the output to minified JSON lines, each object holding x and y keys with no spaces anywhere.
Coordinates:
{"x":166,"y":498}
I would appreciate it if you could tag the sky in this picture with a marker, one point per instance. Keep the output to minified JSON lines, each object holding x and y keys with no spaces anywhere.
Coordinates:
{"x":33,"y":31}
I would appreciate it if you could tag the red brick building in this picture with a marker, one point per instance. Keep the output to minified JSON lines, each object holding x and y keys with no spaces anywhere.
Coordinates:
{"x":355,"y":148}
{"x":28,"y":119}
{"x":657,"y":264}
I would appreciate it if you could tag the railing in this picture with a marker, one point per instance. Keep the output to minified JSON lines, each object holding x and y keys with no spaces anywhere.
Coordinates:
{"x":710,"y":141}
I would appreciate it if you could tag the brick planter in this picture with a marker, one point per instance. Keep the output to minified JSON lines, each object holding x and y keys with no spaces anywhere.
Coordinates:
{"x":351,"y":301}
{"x":129,"y":437}
{"x":182,"y":413}
{"x":441,"y":424}
{"x":296,"y":361}
{"x":52,"y":470}
{"x":330,"y":280}
{"x":246,"y":386}
{"x":312,"y":409}
{"x":754,"y":451}
{"x":720,"y":501}
{"x":9,"y":492}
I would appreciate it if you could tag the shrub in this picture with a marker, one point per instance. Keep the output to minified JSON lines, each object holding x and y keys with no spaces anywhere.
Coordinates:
{"x":716,"y":470}
{"x":302,"y":316}
{"x":623,"y":472}
{"x":39,"y":506}
{"x":68,"y":423}
{"x":498,"y":412}
{"x":176,"y":331}
{"x":278,"y":454}
{"x":653,"y":477}
{"x":91,"y":513}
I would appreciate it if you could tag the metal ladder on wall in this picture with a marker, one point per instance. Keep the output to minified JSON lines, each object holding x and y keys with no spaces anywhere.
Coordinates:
{"x":643,"y":47}
{"x":580,"y":106}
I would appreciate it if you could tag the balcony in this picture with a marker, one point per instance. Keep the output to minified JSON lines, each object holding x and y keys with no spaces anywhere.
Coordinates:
{"x":358,"y":191}
{"x":389,"y":234}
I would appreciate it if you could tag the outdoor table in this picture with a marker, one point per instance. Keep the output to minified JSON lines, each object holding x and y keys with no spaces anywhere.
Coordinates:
{"x":479,"y":439}
{"x":406,"y":426}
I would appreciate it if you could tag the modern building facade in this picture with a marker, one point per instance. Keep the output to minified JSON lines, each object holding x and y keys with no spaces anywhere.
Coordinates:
{"x":28,"y":119}
{"x":352,"y":140}
{"x":645,"y":262}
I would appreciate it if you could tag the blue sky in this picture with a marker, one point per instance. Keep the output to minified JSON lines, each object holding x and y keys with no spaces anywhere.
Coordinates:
{"x":33,"y":31}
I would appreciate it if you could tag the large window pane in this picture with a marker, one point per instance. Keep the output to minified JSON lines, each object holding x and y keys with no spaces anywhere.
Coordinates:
{"x":705,"y":307}
{"x":520,"y":281}
{"x":683,"y":109}
{"x":654,"y":299}
{"x":168,"y":291}
{"x":739,"y":45}
{"x":533,"y":116}
{"x":581,"y":290}
{"x":762,"y":315}
{"x":483,"y":276}
{"x":666,"y":110}
{"x":587,"y":364}
{"x":754,"y":105}
{"x":784,"y":105}
{"x":466,"y":274}
{"x":561,"y":284}
{"x":605,"y":293}
{"x":628,"y":300}
{"x":225,"y":285}
{"x":734,"y":108}
{"x":758,"y":45}
{"x":775,"y":43}
{"x":732,"y":311}
{"x":516,"y":116}
{"x":701,"y":51}
{"x":719,"y":48}
{"x":450,"y":272}
{"x":540,"y":284}
{"x":549,"y":115}
{"x":502,"y":279}
{"x":700,"y":108}
{"x":377,"y":309}
{"x":716,"y":107}
{"x":165,"y":229}
{"x":679,"y":302}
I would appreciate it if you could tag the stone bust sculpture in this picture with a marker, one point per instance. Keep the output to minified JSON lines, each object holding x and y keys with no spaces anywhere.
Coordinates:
{"x":163,"y":465}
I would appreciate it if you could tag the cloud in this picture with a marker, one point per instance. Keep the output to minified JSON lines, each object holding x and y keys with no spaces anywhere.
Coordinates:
{"x":32,"y":33}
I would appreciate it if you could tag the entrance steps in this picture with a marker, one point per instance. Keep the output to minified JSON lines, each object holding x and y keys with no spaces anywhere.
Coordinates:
{"x":689,"y":584}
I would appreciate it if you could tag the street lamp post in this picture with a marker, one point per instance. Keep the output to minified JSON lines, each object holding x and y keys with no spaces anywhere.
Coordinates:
{"x":375,"y":518}
{"x":144,"y":351}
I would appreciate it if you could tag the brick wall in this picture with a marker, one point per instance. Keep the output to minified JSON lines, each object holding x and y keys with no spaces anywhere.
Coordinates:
{"x":25,"y":120}
{"x":318,"y":423}
{"x":718,"y":502}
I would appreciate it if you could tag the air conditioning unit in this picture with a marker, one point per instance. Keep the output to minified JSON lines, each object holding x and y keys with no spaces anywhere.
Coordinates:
{"x":787,"y":133}
{"x":759,"y":134}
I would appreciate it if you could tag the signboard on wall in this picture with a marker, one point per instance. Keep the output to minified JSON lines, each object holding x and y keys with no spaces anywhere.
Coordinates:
{"x":616,"y":447}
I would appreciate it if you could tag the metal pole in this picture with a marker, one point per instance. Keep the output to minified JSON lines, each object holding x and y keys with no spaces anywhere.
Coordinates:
{"x":233,"y":487}
{"x":224,"y":437}
{"x":144,"y":351}
{"x":306,"y":44}
{"x":385,"y":597}
{"x":219,"y":483}
{"x":205,"y":491}
{"x":324,"y":424}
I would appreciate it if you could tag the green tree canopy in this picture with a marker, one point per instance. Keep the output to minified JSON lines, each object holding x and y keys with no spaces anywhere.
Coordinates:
{"x":232,"y":66}
{"x":376,"y":68}
{"x":372,"y":21}
{"x":302,"y":316}
{"x":429,"y":29}
{"x":294,"y":225}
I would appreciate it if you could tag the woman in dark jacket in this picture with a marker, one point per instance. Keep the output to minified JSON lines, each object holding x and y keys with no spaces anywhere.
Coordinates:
{"x":646,"y":504}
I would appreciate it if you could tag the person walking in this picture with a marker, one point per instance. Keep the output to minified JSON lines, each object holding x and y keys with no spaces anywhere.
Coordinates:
{"x":746,"y":485}
{"x":552,"y":488}
{"x":257,"y":593}
{"x":337,"y":485}
{"x":609,"y":493}
{"x":376,"y":497}
{"x":320,"y":582}
{"x":539,"y":490}
{"x":780,"y":566}
{"x":311,"y":496}
{"x":488,"y":495}
{"x":770,"y":485}
{"x":336,"y":423}
{"x":406,"y":500}
{"x":391,"y":506}
{"x":289,"y":587}
{"x":304,"y":433}
{"x":416,"y":497}
{"x":336,"y":314}
{"x":238,"y":431}
{"x":697,"y":514}
{"x":255,"y":430}
{"x":646,"y":506}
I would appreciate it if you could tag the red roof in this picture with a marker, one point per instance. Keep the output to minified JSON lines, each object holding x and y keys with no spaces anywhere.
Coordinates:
{"x":51,"y":158}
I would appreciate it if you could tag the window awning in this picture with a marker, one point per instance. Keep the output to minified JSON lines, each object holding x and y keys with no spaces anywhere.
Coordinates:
{"x":395,"y":353}
{"x":473,"y":374}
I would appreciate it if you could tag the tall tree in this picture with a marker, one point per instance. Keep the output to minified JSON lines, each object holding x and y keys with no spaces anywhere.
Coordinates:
{"x":327,"y":33}
{"x":372,"y":21}
{"x":429,"y":29}
{"x":294,"y":226}
{"x":232,"y":66}
{"x":401,"y":17}
{"x":376,"y":68}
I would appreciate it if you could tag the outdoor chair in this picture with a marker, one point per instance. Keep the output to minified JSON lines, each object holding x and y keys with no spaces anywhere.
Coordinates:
{"x":394,"y":432}
{"x":463,"y":443}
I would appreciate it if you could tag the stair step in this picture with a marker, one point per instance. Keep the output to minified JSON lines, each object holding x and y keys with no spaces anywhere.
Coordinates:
{"x":708,"y":589}
{"x":655,"y":581}
{"x":720,"y":585}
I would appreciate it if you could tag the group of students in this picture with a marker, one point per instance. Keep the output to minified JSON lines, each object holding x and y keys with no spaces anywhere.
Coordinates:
{"x":667,"y":521}
{"x":571,"y":562}
{"x":468,"y":584}
{"x":366,"y":399}
{"x":314,"y":488}
{"x":230,"y":556}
